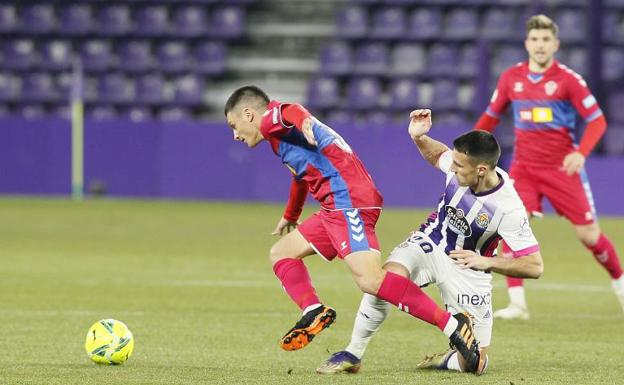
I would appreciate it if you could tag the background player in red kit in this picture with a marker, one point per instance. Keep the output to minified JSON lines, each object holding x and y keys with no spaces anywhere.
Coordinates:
{"x":324,"y":164}
{"x":546,"y":97}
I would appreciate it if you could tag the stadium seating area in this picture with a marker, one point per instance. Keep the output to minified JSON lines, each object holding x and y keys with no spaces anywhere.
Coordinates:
{"x":389,"y":55}
{"x":139,"y":57}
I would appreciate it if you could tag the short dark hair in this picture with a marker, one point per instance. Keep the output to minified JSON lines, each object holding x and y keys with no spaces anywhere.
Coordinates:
{"x":479,"y":145}
{"x":251,"y":94}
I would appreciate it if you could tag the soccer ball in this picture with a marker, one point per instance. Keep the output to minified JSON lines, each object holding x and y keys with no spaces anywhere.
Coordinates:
{"x":109,"y":342}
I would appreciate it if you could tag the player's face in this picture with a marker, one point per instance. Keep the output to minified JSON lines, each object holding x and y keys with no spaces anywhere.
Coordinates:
{"x":466,"y":172}
{"x":245,"y":126}
{"x":541,"y":45}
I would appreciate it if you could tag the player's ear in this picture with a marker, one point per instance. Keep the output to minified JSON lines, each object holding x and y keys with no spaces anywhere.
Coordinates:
{"x":248,"y":114}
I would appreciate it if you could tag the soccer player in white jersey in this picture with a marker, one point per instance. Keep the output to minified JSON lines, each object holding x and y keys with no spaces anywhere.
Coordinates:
{"x":455,"y":248}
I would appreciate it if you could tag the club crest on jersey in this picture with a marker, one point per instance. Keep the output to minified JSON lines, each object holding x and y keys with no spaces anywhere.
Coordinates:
{"x":457,"y":222}
{"x":550,"y":87}
{"x":483,"y":220}
{"x":518,"y":87}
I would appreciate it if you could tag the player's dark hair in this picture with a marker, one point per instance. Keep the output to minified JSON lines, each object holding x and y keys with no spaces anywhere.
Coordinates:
{"x":251,"y":95}
{"x":480,"y":146}
{"x":542,"y":22}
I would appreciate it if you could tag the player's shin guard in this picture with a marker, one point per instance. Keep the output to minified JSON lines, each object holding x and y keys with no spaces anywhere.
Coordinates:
{"x":407,"y":296}
{"x":605,"y":254}
{"x":371,"y":314}
{"x":296,"y":281}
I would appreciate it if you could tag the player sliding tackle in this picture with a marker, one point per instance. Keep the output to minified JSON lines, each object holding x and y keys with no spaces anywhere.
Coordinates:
{"x":324,"y":164}
{"x":455,"y":247}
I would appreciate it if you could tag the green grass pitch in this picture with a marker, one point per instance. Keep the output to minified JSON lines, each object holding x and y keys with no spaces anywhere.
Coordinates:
{"x":193,"y":282}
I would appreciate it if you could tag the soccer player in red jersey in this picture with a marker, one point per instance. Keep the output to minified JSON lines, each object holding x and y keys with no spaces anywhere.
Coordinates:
{"x":546,"y":97}
{"x":324,"y":164}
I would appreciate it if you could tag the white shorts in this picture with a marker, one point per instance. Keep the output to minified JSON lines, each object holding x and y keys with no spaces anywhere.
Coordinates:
{"x":462,"y":290}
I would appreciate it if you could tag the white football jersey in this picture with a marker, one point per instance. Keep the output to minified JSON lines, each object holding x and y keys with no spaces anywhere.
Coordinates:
{"x":477,"y":221}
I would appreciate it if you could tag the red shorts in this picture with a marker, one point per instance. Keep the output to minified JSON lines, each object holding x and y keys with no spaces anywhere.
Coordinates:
{"x":340,"y":233}
{"x":571,"y":196}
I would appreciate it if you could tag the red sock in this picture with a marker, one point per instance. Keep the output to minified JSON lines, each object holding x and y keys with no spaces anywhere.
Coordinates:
{"x":296,"y":281}
{"x":511,"y":281}
{"x":605,"y":254}
{"x":405,"y":294}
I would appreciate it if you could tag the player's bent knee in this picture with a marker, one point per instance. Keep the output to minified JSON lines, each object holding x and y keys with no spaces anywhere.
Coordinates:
{"x":396,"y":268}
{"x":370,"y":283}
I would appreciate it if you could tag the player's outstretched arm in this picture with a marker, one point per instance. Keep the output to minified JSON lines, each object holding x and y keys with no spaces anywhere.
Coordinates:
{"x":420,"y":124}
{"x":527,"y":266}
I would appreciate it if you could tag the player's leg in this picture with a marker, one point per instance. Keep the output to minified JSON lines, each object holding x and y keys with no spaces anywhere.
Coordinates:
{"x":571,"y":196}
{"x":526,"y":183}
{"x":605,"y":254}
{"x":286,"y":256}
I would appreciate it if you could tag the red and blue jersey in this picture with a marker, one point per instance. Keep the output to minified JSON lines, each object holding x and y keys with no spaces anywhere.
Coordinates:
{"x":545,"y":110}
{"x":335,"y":176}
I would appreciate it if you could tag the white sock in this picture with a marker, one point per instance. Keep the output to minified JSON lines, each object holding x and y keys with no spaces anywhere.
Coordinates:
{"x":311,"y":307}
{"x":453,"y":362}
{"x":450,"y":327}
{"x":371,"y":314}
{"x":618,"y":285}
{"x":516,"y":296}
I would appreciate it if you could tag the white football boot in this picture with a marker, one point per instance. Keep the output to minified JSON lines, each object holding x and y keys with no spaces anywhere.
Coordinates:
{"x":512,"y":311}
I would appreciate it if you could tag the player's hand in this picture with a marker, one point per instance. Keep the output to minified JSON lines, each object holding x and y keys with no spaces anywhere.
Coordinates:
{"x":573,"y":163}
{"x":420,"y":123}
{"x":306,"y":128}
{"x":284,"y":226}
{"x":468,"y":259}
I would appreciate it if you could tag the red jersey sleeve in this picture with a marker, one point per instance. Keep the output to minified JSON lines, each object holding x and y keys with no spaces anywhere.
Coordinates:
{"x":296,"y":200}
{"x":272,"y":123}
{"x":500,"y":98}
{"x":294,"y":114}
{"x":581,"y":97}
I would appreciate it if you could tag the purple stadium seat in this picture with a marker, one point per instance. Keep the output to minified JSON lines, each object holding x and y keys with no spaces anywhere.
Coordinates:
{"x":8,"y":18}
{"x":38,"y":87}
{"x":10,"y":87}
{"x":469,"y":60}
{"x":377,"y":118}
{"x":371,"y":59}
{"x":170,"y":114}
{"x":425,"y":23}
{"x":323,"y":93}
{"x":188,"y":90}
{"x":615,"y":105}
{"x":612,"y":63}
{"x":400,"y":2}
{"x":173,"y":57}
{"x":30,"y":111}
{"x":228,"y":21}
{"x":114,"y":88}
{"x":152,"y":89}
{"x":507,"y":56}
{"x":339,"y":117}
{"x":210,"y":57}
{"x":18,"y":54}
{"x":445,"y":95}
{"x":442,"y":59}
{"x":114,"y":20}
{"x":97,"y":55}
{"x":135,"y":56}
{"x":190,"y":21}
{"x":63,"y":85}
{"x":404,"y":94}
{"x":577,"y":60}
{"x":388,"y":23}
{"x":136,"y":113}
{"x":461,"y":23}
{"x":336,"y":59}
{"x":408,"y":59}
{"x":497,"y":23}
{"x":363,"y":93}
{"x":151,"y":20}
{"x":76,"y":19}
{"x":56,"y":55}
{"x":613,"y":141}
{"x":102,"y":112}
{"x":352,"y":22}
{"x":611,"y":30}
{"x":572,"y":25}
{"x":37,"y":18}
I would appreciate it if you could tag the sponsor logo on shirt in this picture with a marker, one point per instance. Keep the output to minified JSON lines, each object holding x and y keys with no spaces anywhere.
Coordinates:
{"x":550,"y":87}
{"x":518,"y":87}
{"x":474,"y":299}
{"x":589,"y":101}
{"x":537,"y":115}
{"x":457,"y":222}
